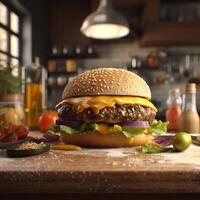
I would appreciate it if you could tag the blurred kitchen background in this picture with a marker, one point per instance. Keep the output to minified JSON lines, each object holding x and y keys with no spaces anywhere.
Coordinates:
{"x":162,"y":46}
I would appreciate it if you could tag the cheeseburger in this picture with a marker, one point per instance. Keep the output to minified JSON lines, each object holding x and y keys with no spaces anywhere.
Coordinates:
{"x":107,"y":107}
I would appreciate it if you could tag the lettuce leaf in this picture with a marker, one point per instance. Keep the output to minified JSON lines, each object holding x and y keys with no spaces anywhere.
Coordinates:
{"x":116,"y":128}
{"x":65,"y":129}
{"x":86,"y":127}
{"x":154,"y":148}
{"x":157,"y":127}
{"x":132,"y":131}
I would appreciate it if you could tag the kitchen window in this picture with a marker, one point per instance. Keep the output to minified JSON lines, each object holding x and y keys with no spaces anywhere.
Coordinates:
{"x":10,"y":35}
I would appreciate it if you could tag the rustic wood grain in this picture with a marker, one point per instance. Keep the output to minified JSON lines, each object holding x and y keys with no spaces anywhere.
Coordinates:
{"x":98,"y":196}
{"x":124,"y":170}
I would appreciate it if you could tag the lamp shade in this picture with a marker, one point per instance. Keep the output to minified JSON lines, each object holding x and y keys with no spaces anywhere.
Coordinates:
{"x":105,"y":23}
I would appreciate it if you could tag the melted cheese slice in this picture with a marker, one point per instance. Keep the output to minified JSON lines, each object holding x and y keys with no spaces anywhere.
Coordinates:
{"x":96,"y":103}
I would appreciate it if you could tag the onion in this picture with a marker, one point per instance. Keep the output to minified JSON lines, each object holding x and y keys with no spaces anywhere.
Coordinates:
{"x":47,"y":137}
{"x":51,"y":137}
{"x":163,"y":140}
{"x":137,"y":124}
{"x":71,"y":123}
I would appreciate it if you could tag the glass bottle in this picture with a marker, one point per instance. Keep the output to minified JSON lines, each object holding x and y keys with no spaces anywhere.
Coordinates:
{"x":173,"y":112}
{"x":189,"y":118}
{"x":34,"y":92}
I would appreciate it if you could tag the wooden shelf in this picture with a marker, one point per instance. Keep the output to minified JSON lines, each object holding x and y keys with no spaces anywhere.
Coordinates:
{"x":146,"y":69}
{"x":56,"y":87}
{"x":62,"y":73}
{"x":174,"y":24}
{"x":72,"y":56}
{"x":161,"y":33}
{"x":171,"y":34}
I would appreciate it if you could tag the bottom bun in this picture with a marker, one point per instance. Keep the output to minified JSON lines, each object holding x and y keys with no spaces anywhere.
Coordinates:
{"x":94,"y":139}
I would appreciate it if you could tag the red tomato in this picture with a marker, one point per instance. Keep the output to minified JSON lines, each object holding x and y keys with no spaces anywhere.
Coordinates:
{"x":13,"y":127}
{"x":2,"y":134}
{"x":22,"y":132}
{"x":11,"y":137}
{"x":46,"y":120}
{"x":8,"y":133}
{"x":12,"y":133}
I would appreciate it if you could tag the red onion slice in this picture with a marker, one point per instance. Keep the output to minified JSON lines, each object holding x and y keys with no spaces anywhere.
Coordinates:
{"x":51,"y":137}
{"x":71,"y":123}
{"x":137,"y":124}
{"x":163,"y":140}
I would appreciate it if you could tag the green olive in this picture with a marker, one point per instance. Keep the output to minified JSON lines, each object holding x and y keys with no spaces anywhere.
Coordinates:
{"x":181,"y":141}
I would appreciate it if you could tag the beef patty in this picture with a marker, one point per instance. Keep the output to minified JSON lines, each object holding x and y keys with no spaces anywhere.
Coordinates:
{"x":115,"y":114}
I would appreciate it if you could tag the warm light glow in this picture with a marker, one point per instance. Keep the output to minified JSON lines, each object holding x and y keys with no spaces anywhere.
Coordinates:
{"x":14,"y":22}
{"x":14,"y":45}
{"x":3,"y":39}
{"x":3,"y":14}
{"x":106,"y":31}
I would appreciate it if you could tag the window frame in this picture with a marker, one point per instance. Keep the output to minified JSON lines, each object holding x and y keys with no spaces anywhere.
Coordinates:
{"x":7,"y":28}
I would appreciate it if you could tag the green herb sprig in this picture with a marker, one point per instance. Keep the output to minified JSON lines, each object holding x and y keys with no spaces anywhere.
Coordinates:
{"x":9,"y":84}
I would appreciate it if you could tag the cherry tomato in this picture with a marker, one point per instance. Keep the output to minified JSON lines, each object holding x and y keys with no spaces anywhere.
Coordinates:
{"x":11,"y":137}
{"x":12,"y":132}
{"x":9,"y":133}
{"x":9,"y":129}
{"x":22,"y":132}
{"x":2,"y":134}
{"x":46,"y":120}
{"x":13,"y":127}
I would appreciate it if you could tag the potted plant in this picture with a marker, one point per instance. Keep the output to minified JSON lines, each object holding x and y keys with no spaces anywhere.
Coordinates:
{"x":11,"y":100}
{"x":10,"y":85}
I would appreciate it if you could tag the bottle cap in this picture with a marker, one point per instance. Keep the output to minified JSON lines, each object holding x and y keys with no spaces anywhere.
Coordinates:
{"x":37,"y":61}
{"x":190,"y":88}
{"x":174,"y":92}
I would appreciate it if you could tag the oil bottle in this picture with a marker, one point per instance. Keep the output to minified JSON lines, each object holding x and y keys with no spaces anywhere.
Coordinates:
{"x":34,"y":78}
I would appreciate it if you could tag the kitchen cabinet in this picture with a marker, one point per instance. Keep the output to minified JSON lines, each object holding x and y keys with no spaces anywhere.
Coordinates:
{"x":145,"y":18}
{"x":65,"y":19}
{"x":156,"y":32}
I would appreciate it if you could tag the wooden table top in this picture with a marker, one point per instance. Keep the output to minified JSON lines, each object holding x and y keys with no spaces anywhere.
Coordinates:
{"x":101,"y":170}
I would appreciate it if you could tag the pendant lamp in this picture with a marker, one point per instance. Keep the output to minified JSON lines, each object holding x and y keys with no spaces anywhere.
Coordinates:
{"x":105,"y":23}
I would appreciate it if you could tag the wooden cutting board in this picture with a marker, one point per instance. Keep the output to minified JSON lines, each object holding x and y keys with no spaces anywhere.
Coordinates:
{"x":102,"y":170}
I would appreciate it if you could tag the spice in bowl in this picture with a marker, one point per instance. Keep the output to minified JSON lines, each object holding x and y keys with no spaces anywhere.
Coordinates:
{"x":29,"y":148}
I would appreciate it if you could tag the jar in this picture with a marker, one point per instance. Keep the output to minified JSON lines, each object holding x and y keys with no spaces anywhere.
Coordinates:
{"x":70,"y":65}
{"x":11,"y":109}
{"x":52,"y":80}
{"x":51,"y":66}
{"x":61,"y":81}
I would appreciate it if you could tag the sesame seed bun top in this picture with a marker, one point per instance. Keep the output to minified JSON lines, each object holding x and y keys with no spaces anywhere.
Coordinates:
{"x":108,"y":82}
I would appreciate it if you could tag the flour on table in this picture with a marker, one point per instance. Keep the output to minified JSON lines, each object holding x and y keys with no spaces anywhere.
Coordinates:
{"x":190,"y":156}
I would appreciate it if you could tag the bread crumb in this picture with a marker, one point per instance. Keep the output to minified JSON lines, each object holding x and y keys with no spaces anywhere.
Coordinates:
{"x":114,"y":163}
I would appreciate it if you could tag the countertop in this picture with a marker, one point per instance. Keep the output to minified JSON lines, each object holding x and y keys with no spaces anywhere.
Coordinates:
{"x":122,"y":170}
